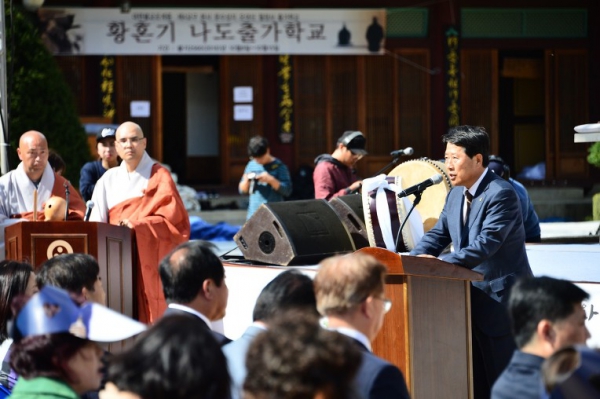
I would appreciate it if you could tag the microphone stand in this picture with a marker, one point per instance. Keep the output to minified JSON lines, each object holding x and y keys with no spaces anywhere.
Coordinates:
{"x":394,"y":162}
{"x":418,"y":195}
{"x":66,"y":184}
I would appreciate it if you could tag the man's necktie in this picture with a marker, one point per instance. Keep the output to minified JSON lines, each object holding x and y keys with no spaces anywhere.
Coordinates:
{"x":469,"y":198}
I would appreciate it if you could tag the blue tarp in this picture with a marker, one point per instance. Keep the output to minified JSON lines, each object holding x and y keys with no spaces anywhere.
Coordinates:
{"x":202,"y":230}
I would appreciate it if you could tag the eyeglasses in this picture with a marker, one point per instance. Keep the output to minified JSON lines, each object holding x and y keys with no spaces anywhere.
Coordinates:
{"x":387,"y":303}
{"x":359,"y":156}
{"x":132,"y":140}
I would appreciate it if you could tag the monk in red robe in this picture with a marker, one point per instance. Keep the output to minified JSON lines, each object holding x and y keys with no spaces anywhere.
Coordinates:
{"x":141,"y":195}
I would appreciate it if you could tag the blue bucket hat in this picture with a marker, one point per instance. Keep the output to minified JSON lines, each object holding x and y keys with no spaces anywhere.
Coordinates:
{"x":52,"y":311}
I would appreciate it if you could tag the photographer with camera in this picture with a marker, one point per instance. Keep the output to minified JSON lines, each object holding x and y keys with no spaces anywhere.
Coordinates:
{"x":266,"y":178}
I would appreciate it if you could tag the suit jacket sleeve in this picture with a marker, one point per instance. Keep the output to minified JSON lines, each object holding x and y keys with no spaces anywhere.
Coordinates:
{"x":389,"y":384}
{"x":436,"y":239}
{"x":495,"y":221}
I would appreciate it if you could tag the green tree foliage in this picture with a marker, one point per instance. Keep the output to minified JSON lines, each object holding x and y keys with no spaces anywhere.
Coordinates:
{"x":39,"y":97}
{"x":594,"y":155}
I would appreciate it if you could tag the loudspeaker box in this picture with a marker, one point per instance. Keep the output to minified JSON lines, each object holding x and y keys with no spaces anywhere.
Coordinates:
{"x":350,"y":210}
{"x":293,"y":232}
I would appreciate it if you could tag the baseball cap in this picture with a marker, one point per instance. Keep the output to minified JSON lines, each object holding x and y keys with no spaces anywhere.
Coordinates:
{"x":104,"y":133}
{"x":497,"y":165}
{"x":52,"y":311}
{"x":355,"y":141}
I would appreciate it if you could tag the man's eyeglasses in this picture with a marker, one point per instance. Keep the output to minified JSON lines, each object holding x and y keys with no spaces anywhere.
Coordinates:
{"x":132,"y":140}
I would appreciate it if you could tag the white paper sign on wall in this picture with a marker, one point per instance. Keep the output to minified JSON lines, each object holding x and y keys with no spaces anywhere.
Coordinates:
{"x":140,"y":109}
{"x":243,"y":113}
{"x":242,"y":94}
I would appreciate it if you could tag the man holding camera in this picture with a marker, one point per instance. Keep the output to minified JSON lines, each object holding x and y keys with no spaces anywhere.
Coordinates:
{"x":266,"y":178}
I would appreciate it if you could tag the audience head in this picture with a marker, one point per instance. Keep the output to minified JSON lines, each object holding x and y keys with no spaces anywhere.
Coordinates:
{"x":350,"y":147}
{"x":296,"y":359}
{"x":33,"y":152}
{"x":467,"y":154}
{"x":546,"y":315}
{"x":131,"y":143}
{"x":16,"y":278}
{"x":258,"y":146}
{"x":105,"y":145}
{"x":76,"y":273}
{"x":499,"y":167}
{"x":194,"y":276}
{"x":55,"y":336}
{"x":289,"y":290}
{"x":177,"y":358}
{"x":56,"y":162}
{"x":351,"y":288}
{"x":572,"y":372}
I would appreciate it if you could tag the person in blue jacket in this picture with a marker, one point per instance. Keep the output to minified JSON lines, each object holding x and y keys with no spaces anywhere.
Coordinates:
{"x":531,"y":221}
{"x":266,"y":178}
{"x":92,"y":171}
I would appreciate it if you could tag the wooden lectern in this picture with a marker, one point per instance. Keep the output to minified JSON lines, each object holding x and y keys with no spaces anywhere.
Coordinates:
{"x":427,"y":332}
{"x":35,"y":242}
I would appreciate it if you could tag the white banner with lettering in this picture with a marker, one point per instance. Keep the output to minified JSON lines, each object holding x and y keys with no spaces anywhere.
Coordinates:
{"x":194,"y":31}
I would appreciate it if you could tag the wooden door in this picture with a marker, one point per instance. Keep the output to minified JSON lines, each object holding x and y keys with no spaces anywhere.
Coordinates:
{"x":479,"y":94}
{"x":567,"y":104}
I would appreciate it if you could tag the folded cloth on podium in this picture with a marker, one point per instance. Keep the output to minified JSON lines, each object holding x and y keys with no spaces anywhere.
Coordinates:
{"x":385,"y":213}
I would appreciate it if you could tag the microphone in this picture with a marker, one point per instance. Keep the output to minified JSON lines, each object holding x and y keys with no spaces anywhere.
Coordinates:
{"x":417,"y":188}
{"x":88,"y":210}
{"x":406,"y":151}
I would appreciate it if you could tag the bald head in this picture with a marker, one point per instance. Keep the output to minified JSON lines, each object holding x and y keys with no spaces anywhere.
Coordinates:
{"x":131,"y":144}
{"x":33,"y":152}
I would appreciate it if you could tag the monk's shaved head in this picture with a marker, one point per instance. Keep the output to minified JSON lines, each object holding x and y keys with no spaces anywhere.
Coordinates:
{"x":129,"y":127}
{"x":31,"y":135}
{"x":33,"y":152}
{"x":131,"y":144}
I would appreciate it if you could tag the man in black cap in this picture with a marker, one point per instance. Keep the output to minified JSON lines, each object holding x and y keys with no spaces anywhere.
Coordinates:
{"x":92,"y":171}
{"x":334,"y":174}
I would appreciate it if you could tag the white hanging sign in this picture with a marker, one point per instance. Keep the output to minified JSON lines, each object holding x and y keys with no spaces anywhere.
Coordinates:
{"x":193,"y":31}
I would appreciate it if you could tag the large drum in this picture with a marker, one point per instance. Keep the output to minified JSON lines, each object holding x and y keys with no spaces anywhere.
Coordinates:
{"x":434,"y":197}
{"x":386,"y":214}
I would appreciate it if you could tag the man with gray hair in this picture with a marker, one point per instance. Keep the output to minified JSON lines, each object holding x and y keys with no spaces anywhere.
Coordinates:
{"x":350,"y":293}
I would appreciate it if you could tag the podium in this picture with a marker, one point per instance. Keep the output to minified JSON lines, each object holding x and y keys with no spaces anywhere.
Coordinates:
{"x":427,"y":332}
{"x":35,"y":242}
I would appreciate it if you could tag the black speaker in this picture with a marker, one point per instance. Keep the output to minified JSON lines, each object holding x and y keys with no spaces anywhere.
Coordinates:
{"x":350,"y":210}
{"x":293,"y":233}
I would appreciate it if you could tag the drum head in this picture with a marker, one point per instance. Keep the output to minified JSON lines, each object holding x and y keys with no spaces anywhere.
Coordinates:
{"x":433,"y":198}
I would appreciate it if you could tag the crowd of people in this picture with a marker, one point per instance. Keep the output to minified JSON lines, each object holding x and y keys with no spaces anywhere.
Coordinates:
{"x":310,"y":337}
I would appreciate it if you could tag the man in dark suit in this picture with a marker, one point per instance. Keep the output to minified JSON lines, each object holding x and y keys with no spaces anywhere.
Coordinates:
{"x":290,"y":290}
{"x":482,"y":220}
{"x":193,"y":280}
{"x":350,"y":293}
{"x":546,"y":315}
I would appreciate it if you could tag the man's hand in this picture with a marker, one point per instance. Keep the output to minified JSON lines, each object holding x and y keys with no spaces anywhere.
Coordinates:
{"x":426,"y":256}
{"x":269,"y":179}
{"x":354,"y":187}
